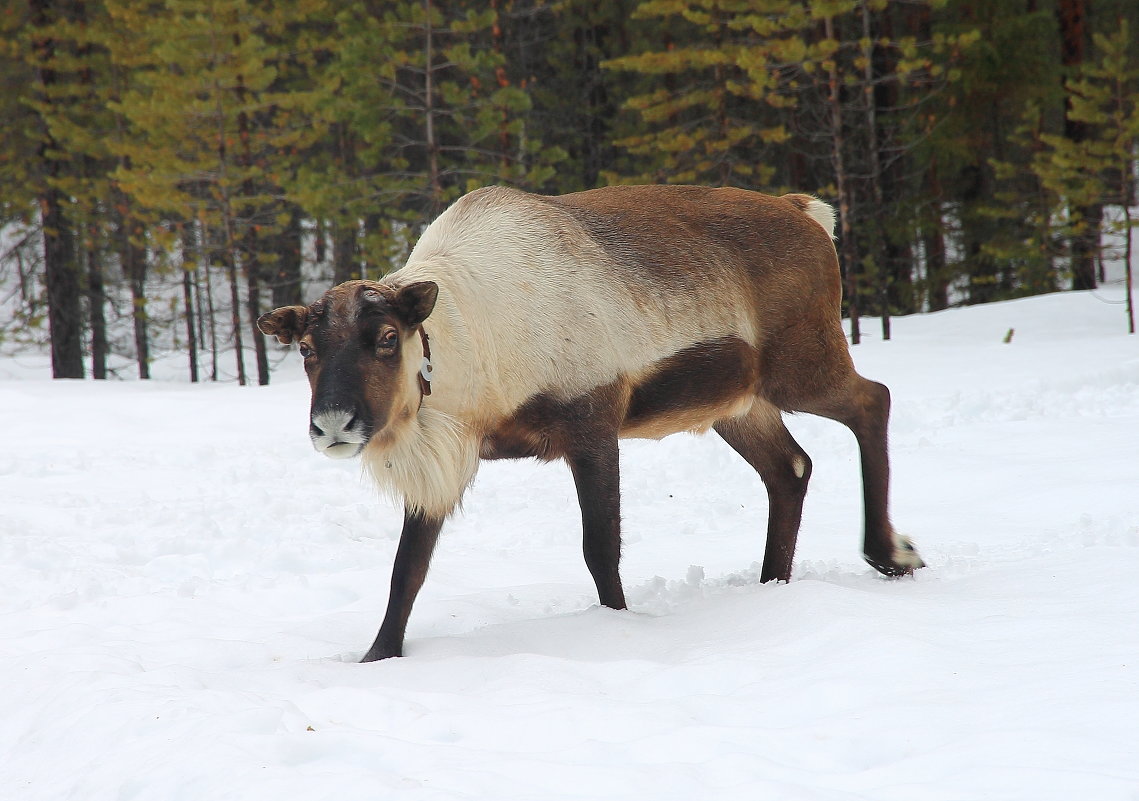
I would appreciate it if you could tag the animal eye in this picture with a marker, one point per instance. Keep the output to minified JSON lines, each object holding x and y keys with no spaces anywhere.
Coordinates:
{"x":305,"y":350}
{"x":388,"y":340}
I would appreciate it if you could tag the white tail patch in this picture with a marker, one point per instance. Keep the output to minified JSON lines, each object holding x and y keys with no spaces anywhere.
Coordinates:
{"x":823,"y":214}
{"x":429,"y":466}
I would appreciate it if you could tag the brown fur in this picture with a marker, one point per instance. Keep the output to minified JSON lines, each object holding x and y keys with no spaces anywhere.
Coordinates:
{"x":559,"y":324}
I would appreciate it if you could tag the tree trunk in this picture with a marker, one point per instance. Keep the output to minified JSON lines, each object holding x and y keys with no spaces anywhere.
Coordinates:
{"x":133,"y":259}
{"x":209,"y":317}
{"x":62,"y":280}
{"x":1127,"y":266}
{"x":229,"y":251}
{"x":1072,"y":17}
{"x":250,"y":259}
{"x":502,"y":81}
{"x":95,"y":290}
{"x":344,"y":228}
{"x":870,"y":104}
{"x":96,"y":303}
{"x":252,"y":266}
{"x":286,"y":284}
{"x":230,"y":257}
{"x":61,"y":269}
{"x":596,"y":112}
{"x":320,"y":241}
{"x":845,"y":201}
{"x":976,"y":230}
{"x":191,"y":333}
{"x":345,"y":265}
{"x":933,"y":242}
{"x":898,"y":250}
{"x":374,"y":264}
{"x":433,"y":176}
{"x":189,"y":265}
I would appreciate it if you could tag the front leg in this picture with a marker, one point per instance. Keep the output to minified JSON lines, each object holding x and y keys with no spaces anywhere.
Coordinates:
{"x":596,"y":473}
{"x":416,"y":544}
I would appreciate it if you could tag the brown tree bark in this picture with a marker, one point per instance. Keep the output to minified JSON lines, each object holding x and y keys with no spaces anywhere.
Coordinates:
{"x":286,"y":283}
{"x":132,"y":256}
{"x":189,"y":265}
{"x":434,"y":179}
{"x":897,"y":246}
{"x":933,"y":242}
{"x":250,"y":258}
{"x":1127,"y":268}
{"x":845,"y":194}
{"x":61,"y":268}
{"x":870,"y":108}
{"x":96,"y":303}
{"x":345,"y":256}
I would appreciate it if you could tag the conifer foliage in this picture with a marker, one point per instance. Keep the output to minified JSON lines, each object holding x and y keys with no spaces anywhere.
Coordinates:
{"x":170,"y":168}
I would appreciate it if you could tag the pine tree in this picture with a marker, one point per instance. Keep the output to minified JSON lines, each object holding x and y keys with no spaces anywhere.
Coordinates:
{"x":716,"y":114}
{"x":54,"y":81}
{"x":207,"y":129}
{"x":351,"y":169}
{"x":413,"y":105}
{"x":993,"y":209}
{"x":20,"y":177}
{"x":882,"y":62}
{"x":1085,"y":218}
{"x":819,"y":95}
{"x":576,"y":102}
{"x":1098,"y":168}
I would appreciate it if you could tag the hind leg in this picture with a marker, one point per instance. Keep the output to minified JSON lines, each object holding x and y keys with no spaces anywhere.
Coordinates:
{"x":762,"y":439}
{"x":809,"y":369}
{"x":863,"y":406}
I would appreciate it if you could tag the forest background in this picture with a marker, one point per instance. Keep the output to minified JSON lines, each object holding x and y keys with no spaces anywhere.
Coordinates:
{"x":169,"y":169}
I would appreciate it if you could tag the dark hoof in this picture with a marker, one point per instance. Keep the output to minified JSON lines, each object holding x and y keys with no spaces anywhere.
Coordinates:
{"x":904,"y":561}
{"x":376,"y":653}
{"x":376,"y":658}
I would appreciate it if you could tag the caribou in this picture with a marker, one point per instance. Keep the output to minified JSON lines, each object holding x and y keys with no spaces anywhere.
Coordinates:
{"x":550,"y":327}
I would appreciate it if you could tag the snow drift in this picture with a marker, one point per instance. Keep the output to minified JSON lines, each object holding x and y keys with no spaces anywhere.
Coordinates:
{"x":185,"y":581}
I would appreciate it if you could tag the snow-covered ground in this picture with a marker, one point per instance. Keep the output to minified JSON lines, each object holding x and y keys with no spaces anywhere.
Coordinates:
{"x":187,"y":587}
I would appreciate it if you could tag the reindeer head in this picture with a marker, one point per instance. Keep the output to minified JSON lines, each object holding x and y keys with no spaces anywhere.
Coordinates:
{"x":363,"y":356}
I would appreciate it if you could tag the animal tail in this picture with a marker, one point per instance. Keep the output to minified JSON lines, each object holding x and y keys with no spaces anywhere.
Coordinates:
{"x":817,"y":210}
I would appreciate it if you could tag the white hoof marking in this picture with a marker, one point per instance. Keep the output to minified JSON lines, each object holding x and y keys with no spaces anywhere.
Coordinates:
{"x":905,"y":555}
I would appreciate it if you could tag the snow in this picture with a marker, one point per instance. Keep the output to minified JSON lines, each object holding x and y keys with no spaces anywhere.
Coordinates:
{"x":188,"y":586}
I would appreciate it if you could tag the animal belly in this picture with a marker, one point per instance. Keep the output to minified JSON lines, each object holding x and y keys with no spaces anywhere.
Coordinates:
{"x":692,"y":389}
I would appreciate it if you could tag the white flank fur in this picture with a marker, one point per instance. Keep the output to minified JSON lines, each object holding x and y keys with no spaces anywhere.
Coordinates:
{"x":528,"y":302}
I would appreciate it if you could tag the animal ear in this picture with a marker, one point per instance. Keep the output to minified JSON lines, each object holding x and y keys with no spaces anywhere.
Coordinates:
{"x":287,"y":323}
{"x":416,"y":301}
